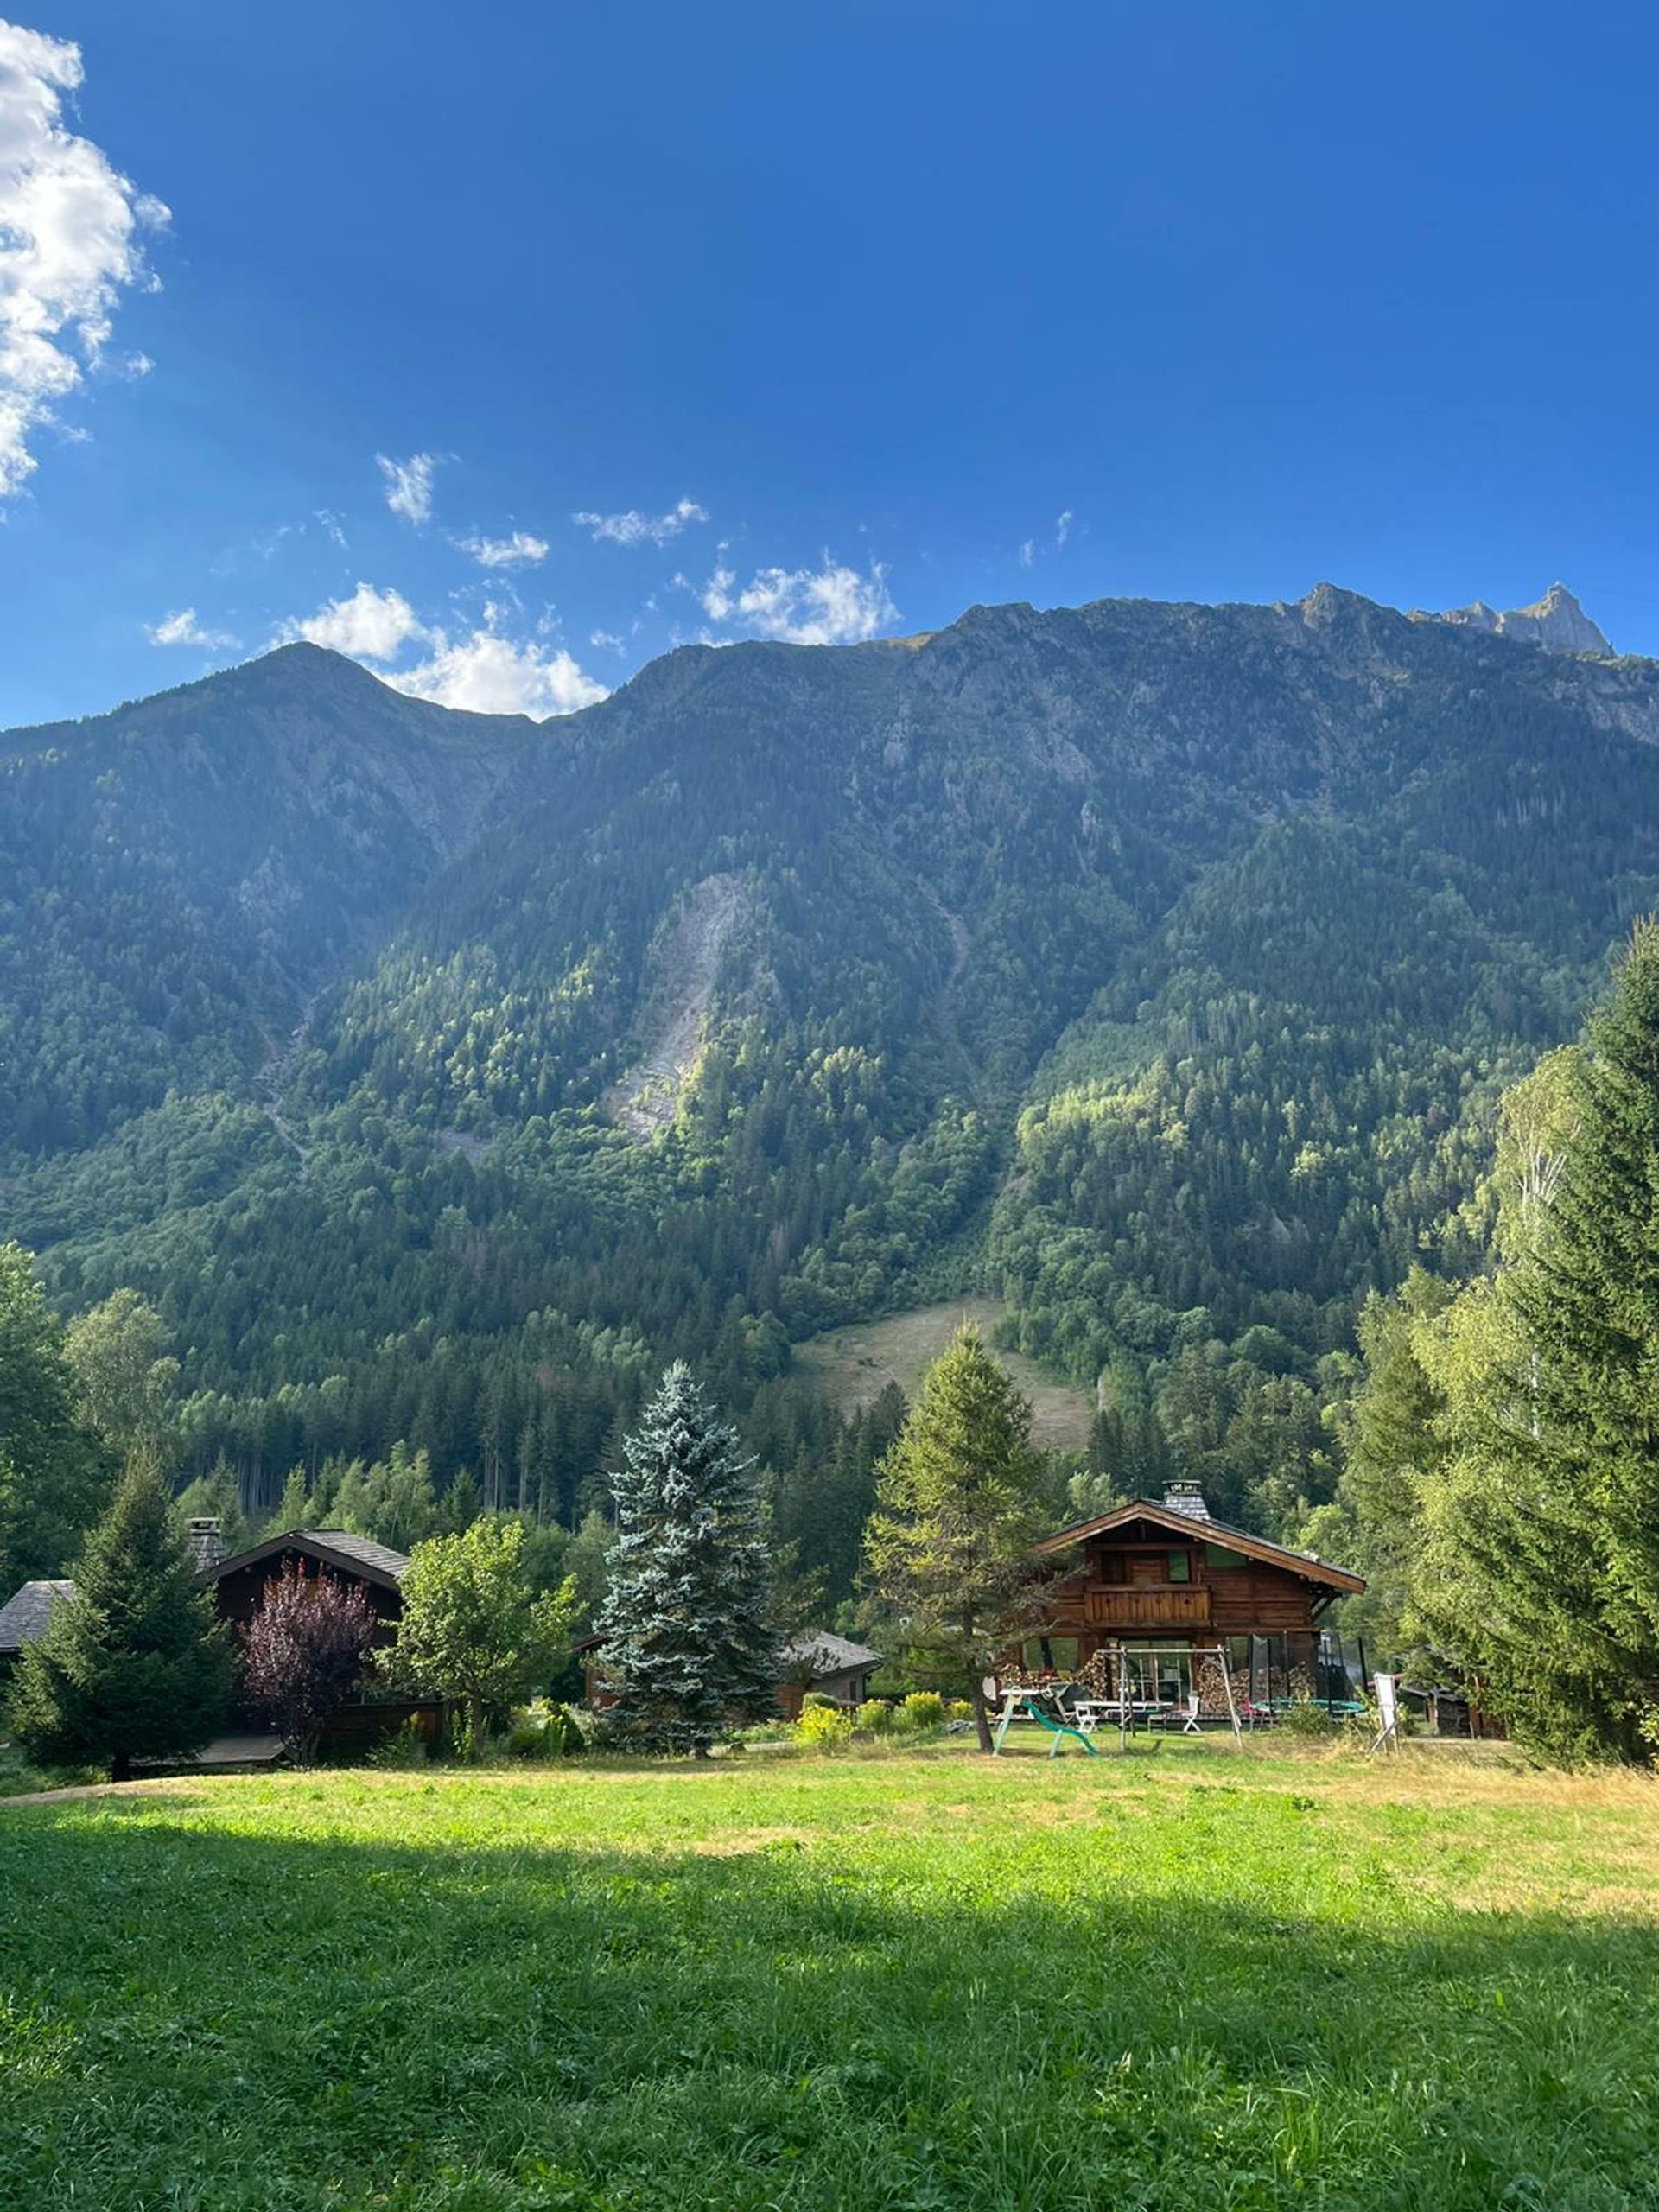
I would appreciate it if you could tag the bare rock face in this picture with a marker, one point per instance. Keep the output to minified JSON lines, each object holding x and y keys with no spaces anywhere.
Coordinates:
{"x":1556,"y":622}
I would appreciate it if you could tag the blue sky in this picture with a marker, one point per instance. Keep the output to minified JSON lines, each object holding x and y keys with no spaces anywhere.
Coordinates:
{"x":862,"y":315}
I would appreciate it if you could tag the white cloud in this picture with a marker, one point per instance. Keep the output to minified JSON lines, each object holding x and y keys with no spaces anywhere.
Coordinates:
{"x":635,"y":529}
{"x":1027,"y":552}
{"x":488,"y":674}
{"x":368,"y":626}
{"x":183,"y":629}
{"x":1062,"y":529}
{"x":70,"y":228}
{"x":606,"y":641}
{"x":409,"y":484}
{"x":521,"y":550}
{"x":830,"y":606}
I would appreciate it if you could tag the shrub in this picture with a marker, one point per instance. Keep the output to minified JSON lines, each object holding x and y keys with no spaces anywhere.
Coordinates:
{"x":958,"y":1710}
{"x":1304,"y":1717}
{"x":875,"y":1716}
{"x":824,"y":1728}
{"x":924,"y":1709}
{"x":406,"y":1747}
{"x":545,"y":1732}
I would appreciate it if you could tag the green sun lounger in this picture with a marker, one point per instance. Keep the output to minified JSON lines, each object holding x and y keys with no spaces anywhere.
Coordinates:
{"x":1058,"y":1730}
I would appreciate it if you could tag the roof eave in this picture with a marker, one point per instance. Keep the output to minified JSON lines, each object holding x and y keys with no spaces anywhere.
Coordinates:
{"x":1215,"y":1531}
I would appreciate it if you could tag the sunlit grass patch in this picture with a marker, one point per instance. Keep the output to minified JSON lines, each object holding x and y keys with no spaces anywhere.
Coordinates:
{"x":1163,"y":1982}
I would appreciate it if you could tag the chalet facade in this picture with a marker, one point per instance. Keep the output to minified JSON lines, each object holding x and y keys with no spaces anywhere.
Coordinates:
{"x":1160,"y":1581}
{"x":239,"y":1581}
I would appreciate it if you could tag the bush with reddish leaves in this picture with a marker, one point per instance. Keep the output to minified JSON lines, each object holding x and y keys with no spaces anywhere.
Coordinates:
{"x":303,"y":1652}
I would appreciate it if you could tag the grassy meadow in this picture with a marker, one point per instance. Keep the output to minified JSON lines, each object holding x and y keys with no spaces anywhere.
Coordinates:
{"x":853,"y":1365}
{"x":1182,"y":1978}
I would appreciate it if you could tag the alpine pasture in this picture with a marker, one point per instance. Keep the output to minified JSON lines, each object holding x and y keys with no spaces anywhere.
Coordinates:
{"x":1184,"y":1978}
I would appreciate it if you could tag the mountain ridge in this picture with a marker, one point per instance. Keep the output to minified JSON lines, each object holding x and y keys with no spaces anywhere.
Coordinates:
{"x":1149,"y":965}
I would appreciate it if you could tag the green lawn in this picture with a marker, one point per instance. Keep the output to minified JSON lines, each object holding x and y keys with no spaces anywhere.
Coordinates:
{"x":1185,"y":1980}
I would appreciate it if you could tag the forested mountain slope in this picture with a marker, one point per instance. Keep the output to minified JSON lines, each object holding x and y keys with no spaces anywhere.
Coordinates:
{"x":1150,"y":965}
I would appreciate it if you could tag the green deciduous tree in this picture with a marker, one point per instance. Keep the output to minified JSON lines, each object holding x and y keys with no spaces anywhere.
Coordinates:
{"x":958,"y":1506}
{"x":689,"y":1643}
{"x":472,"y":1627}
{"x":136,"y":1665}
{"x":52,"y":1470}
{"x":124,"y":1381}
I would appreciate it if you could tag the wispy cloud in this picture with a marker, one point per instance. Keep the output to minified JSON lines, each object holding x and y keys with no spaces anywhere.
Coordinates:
{"x":488,"y":674}
{"x":368,"y":626}
{"x":409,"y":484}
{"x":1062,"y":529}
{"x":521,"y":550}
{"x":635,"y":529}
{"x":830,"y":606}
{"x":606,"y":641}
{"x":71,"y":228}
{"x":1027,"y":552}
{"x":183,"y":629}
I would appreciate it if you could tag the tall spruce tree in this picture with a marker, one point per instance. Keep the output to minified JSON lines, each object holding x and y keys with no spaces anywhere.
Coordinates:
{"x":1587,"y":1300}
{"x":136,"y":1665}
{"x":690,"y":1646}
{"x":1528,"y":1534}
{"x":958,"y":1506}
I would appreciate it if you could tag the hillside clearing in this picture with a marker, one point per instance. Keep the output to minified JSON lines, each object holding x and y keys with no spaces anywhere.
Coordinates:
{"x":854,"y":1364}
{"x":1188,"y":1979}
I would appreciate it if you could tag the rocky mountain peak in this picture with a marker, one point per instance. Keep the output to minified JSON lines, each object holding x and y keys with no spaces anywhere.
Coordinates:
{"x":1556,"y":622}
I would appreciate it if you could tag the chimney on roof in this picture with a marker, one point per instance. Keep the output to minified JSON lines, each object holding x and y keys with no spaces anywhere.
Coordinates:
{"x":1188,"y":1499}
{"x":205,"y":1533}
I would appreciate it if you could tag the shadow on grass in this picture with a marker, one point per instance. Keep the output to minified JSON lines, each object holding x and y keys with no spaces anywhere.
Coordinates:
{"x":203,"y":2020}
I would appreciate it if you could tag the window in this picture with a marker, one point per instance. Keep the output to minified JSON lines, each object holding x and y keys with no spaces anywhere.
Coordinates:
{"x":1180,"y":1567}
{"x":1217,"y":1555}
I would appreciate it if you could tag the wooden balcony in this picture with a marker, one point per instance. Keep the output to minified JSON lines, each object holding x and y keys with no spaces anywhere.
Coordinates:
{"x":1168,"y":1605}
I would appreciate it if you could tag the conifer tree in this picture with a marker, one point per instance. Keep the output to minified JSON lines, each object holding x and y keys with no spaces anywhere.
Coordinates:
{"x":1586,"y":1452}
{"x":136,"y":1665}
{"x":1533,"y":1559}
{"x":690,"y":1647}
{"x":958,"y":1506}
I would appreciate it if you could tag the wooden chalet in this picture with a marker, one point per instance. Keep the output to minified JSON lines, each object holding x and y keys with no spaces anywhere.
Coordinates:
{"x":1160,"y":1581}
{"x":238,"y":1583}
{"x":24,"y":1616}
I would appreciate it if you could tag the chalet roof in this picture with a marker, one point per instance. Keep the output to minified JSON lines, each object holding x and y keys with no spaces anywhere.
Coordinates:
{"x":829,"y":1654}
{"x":335,"y":1548}
{"x":1214,"y":1532}
{"x":26,"y":1612}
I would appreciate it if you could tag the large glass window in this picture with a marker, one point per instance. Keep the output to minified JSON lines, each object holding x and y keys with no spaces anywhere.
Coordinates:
{"x":1180,"y":1567}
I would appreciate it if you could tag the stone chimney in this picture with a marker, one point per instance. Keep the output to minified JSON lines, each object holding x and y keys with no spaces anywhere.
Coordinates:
{"x":205,"y":1533}
{"x":1188,"y":1499}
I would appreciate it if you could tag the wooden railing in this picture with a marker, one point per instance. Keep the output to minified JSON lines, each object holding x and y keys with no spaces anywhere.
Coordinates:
{"x":1172,"y":1606}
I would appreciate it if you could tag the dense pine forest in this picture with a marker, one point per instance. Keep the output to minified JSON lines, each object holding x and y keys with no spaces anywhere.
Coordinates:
{"x":1158,"y":969}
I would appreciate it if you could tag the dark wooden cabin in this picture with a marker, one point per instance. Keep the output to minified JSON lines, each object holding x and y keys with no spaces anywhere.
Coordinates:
{"x":239,"y":1582}
{"x":238,"y":1586}
{"x":1167,"y":1574}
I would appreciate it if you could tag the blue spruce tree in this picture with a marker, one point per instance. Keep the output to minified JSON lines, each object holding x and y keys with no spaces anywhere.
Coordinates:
{"x":689,"y":1644}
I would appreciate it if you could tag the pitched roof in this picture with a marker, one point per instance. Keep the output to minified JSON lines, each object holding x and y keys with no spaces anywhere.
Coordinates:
{"x":829,"y":1654}
{"x":335,"y":1548}
{"x":26,"y":1612}
{"x":1215,"y":1532}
